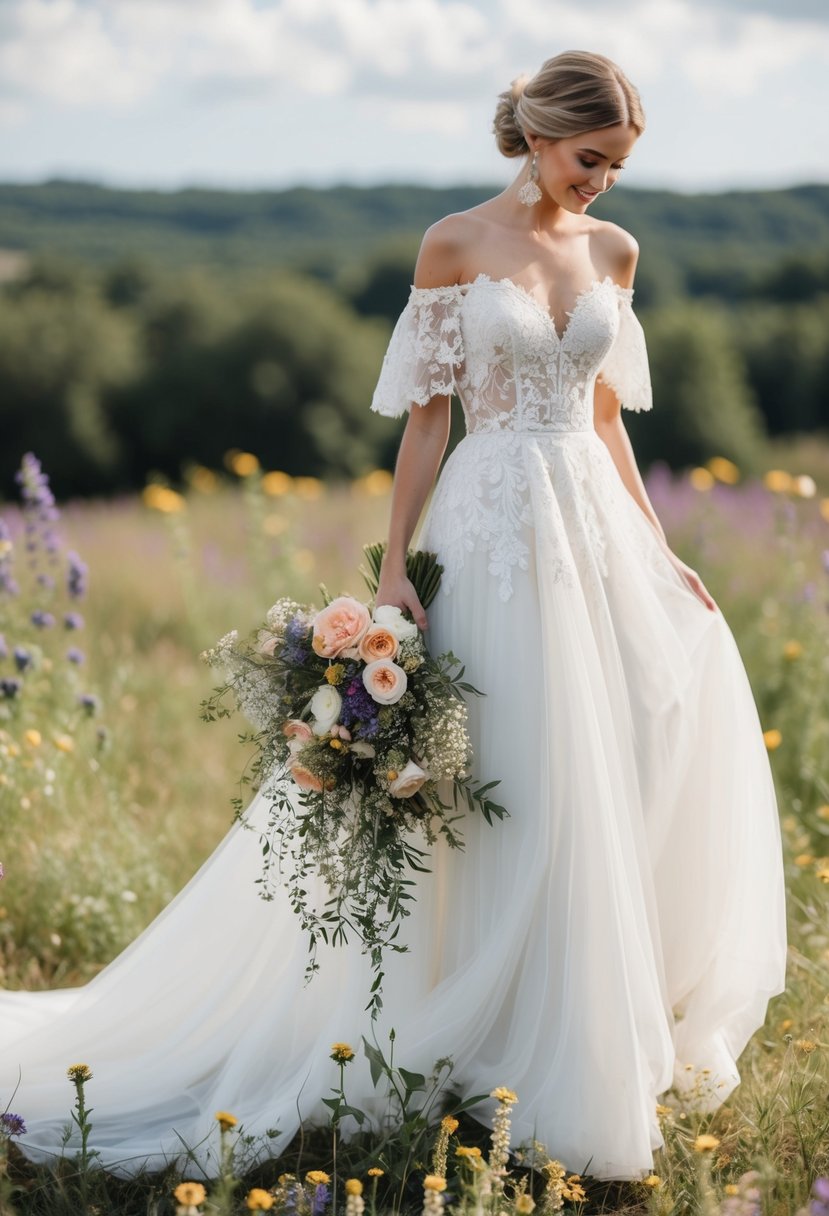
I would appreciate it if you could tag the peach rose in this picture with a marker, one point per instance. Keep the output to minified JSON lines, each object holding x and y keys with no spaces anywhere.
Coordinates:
{"x":378,"y":643}
{"x":408,"y":781}
{"x":304,"y":778}
{"x":295,"y":728}
{"x":338,"y":626}
{"x":385,"y":681}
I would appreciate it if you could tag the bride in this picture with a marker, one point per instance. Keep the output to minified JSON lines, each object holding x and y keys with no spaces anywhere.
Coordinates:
{"x":622,"y":932}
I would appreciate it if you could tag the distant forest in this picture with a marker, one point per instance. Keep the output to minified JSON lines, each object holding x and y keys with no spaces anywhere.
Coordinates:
{"x":141,"y":330}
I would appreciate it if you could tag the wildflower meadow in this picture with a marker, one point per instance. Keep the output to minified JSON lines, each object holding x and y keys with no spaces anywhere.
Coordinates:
{"x":113,"y":791}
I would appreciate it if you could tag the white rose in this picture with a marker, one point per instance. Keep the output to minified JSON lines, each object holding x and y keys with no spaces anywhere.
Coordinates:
{"x":392,"y":618}
{"x":361,"y":748}
{"x":408,"y":781}
{"x":325,"y":706}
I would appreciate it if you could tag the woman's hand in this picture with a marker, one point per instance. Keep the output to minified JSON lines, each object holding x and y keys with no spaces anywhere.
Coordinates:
{"x":398,"y":590}
{"x":693,"y":580}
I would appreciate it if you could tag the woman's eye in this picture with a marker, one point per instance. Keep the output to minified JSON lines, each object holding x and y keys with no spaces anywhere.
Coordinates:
{"x":591,"y":164}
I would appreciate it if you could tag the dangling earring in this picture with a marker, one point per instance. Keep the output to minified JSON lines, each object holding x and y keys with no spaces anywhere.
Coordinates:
{"x":529,"y":194}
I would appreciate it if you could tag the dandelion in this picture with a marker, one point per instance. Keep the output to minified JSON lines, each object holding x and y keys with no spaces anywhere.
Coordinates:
{"x":225,"y":1120}
{"x":258,"y":1200}
{"x":375,"y":1172}
{"x":79,"y":1073}
{"x":341,"y":1053}
{"x":317,"y":1178}
{"x":705,"y":1143}
{"x":652,"y":1180}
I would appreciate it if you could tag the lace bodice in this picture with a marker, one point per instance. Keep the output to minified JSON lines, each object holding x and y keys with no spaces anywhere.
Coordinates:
{"x":496,"y":346}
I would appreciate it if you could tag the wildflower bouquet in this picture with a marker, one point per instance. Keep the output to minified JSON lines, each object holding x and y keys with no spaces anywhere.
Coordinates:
{"x":362,"y":745}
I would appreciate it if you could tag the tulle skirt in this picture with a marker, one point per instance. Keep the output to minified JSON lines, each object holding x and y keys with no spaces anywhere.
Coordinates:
{"x":621,"y":932}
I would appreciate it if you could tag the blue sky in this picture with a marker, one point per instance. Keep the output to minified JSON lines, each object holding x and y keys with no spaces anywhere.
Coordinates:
{"x":272,"y":93}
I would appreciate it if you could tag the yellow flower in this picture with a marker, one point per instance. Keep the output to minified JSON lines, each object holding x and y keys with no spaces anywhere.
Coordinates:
{"x":190,"y":1193}
{"x":259,"y":1200}
{"x":705,"y":1142}
{"x":470,"y":1150}
{"x":376,"y":1172}
{"x":731,"y":1188}
{"x":449,"y":1123}
{"x":573,"y":1191}
{"x":772,"y":739}
{"x":33,"y":738}
{"x":724,"y":470}
{"x":805,"y":1045}
{"x":434,"y":1182}
{"x":375,"y":483}
{"x":317,"y":1178}
{"x":786,"y":1024}
{"x":504,"y":1095}
{"x":792,"y":650}
{"x":276,"y":484}
{"x":392,"y":774}
{"x":308,"y":488}
{"x":823,"y":811}
{"x":823,"y":873}
{"x":65,"y":743}
{"x":524,"y":1204}
{"x":701,"y":479}
{"x":243,"y":464}
{"x":652,"y":1180}
{"x":662,"y":1110}
{"x":804,"y":859}
{"x":334,"y":673}
{"x":336,"y":744}
{"x":202,"y":479}
{"x":79,"y":1073}
{"x":162,"y":498}
{"x":225,"y":1120}
{"x":341,"y":1053}
{"x":353,"y":1186}
{"x":777,"y":480}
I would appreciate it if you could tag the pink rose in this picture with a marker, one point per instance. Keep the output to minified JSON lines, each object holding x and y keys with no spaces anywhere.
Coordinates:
{"x":295,"y":728}
{"x":304,"y":778}
{"x":338,"y":626}
{"x":385,"y":681}
{"x":268,"y":642}
{"x":408,"y":781}
{"x":378,"y":643}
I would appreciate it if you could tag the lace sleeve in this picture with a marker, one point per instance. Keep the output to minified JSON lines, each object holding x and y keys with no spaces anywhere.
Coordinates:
{"x":625,"y":367}
{"x":423,"y":352}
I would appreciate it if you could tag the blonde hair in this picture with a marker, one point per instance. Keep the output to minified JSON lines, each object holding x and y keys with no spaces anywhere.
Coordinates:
{"x":573,"y":92}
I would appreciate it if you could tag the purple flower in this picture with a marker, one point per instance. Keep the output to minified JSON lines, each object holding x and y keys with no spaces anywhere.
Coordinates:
{"x":76,"y":656}
{"x":12,"y":1125}
{"x":820,"y":1189}
{"x":4,"y":650}
{"x":89,"y":702}
{"x":10,"y":687}
{"x":46,"y":580}
{"x":22,"y":658}
{"x":76,"y":576}
{"x":359,"y":707}
{"x":73,"y":620}
{"x":43,"y":620}
{"x":34,"y":488}
{"x":319,"y":1201}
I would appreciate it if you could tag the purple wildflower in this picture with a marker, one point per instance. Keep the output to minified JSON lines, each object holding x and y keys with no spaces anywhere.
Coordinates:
{"x":7,"y":580}
{"x":22,"y":658}
{"x":10,"y":687}
{"x":820,"y":1197}
{"x":4,"y":650}
{"x":359,"y":707}
{"x":89,"y":702}
{"x":319,"y":1201}
{"x":12,"y":1125}
{"x":76,"y":656}
{"x":76,"y":576}
{"x":72,"y":620}
{"x":42,"y":619}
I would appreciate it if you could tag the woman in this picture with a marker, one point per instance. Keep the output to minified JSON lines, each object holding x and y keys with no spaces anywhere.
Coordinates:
{"x":623,"y":930}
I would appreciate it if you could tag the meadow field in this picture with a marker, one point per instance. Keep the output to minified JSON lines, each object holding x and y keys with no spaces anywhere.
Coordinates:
{"x":113,"y":791}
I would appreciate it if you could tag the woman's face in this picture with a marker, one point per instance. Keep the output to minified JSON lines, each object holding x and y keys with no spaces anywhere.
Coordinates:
{"x":576,"y":170}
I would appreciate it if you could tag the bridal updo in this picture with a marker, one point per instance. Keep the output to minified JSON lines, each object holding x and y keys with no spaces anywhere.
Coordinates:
{"x":572,"y":92}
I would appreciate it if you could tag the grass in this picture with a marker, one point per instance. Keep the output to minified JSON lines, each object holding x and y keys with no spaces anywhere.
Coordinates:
{"x":128,"y":799}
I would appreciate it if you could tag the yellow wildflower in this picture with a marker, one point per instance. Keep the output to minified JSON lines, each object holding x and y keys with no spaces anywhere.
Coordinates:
{"x":823,"y":811}
{"x":823,"y":873}
{"x":162,"y":498}
{"x":434,"y":1182}
{"x":33,"y":737}
{"x":723,"y":469}
{"x":259,"y":1200}
{"x":79,"y":1073}
{"x":701,"y":479}
{"x":731,"y":1188}
{"x":202,"y":479}
{"x":317,"y":1178}
{"x":353,"y":1186}
{"x":65,"y":743}
{"x":449,"y":1123}
{"x":504,"y":1095}
{"x":376,"y":1172}
{"x":573,"y":1191}
{"x":772,"y":739}
{"x":824,"y":507}
{"x":652,"y":1180}
{"x":777,"y":480}
{"x":392,"y":774}
{"x":804,"y":859}
{"x":276,"y":484}
{"x":334,"y":673}
{"x":662,"y":1110}
{"x":524,"y":1204}
{"x":792,"y":650}
{"x":705,"y":1142}
{"x":190,"y":1193}
{"x":786,"y":1024}
{"x":309,"y":488}
{"x":225,"y":1120}
{"x":341,"y":1053}
{"x":243,"y":464}
{"x":806,"y":1045}
{"x":336,"y":744}
{"x":467,"y":1150}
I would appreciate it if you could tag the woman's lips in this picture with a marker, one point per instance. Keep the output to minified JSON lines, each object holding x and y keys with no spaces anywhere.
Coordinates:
{"x":585,"y":197}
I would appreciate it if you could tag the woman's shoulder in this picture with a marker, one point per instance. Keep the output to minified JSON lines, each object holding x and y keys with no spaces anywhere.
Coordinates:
{"x":616,"y":249}
{"x":444,"y":249}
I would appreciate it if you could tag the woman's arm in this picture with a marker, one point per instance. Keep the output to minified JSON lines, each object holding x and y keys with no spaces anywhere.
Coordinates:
{"x":610,"y":428}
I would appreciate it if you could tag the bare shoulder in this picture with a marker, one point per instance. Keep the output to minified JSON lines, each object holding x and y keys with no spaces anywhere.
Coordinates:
{"x":616,"y":251}
{"x":444,"y":248}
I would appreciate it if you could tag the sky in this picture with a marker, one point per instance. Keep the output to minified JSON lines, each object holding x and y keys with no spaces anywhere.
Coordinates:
{"x":265,"y":94}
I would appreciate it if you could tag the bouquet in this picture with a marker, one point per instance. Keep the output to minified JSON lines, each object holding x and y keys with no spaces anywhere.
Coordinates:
{"x":361,"y":744}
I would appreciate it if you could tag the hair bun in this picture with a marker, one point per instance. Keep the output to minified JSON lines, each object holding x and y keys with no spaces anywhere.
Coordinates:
{"x":509,"y":135}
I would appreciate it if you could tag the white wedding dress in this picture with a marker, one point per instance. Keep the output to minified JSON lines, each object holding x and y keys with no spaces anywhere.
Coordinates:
{"x":621,"y":932}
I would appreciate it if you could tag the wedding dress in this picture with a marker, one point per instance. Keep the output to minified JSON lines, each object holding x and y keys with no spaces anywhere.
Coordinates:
{"x":620,"y":933}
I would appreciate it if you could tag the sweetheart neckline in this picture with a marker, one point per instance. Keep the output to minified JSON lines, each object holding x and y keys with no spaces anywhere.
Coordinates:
{"x":486,"y":279}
